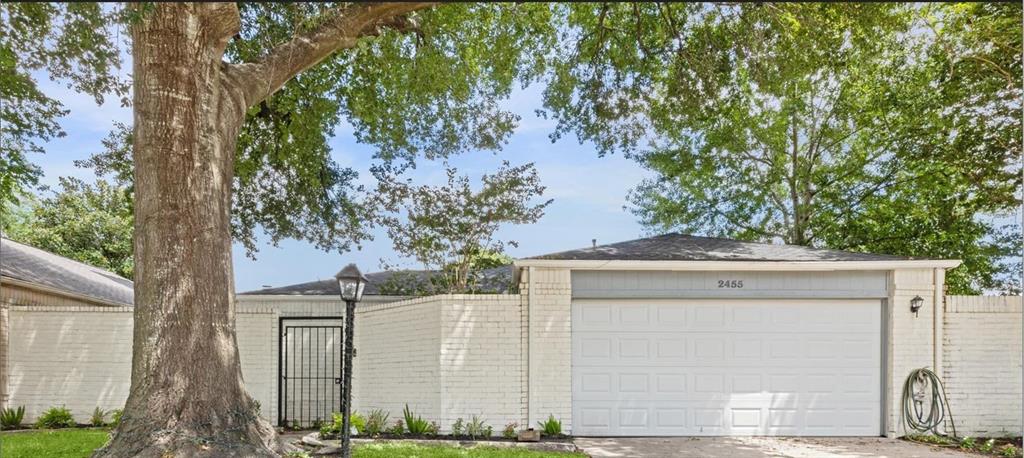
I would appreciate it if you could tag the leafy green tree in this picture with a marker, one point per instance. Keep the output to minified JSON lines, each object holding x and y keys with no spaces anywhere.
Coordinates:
{"x":234,"y":104}
{"x":427,"y":282}
{"x":450,"y":229}
{"x":889,"y":128}
{"x":489,"y":259}
{"x":70,"y":42}
{"x":91,"y":223}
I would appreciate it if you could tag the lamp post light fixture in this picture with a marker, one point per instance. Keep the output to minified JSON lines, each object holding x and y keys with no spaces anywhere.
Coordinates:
{"x":915,"y":304}
{"x":351,"y":283}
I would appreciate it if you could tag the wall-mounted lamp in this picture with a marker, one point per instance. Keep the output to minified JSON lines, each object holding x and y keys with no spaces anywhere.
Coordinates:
{"x":915,"y":304}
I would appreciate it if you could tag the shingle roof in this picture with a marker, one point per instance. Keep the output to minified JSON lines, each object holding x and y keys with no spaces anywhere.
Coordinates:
{"x":32,"y":265}
{"x":682,"y":247}
{"x":494,"y":280}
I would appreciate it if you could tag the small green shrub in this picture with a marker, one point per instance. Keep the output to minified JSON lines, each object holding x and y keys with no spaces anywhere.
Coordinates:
{"x":56,"y":417}
{"x":358,"y":422}
{"x":988,"y":446}
{"x":398,"y":429}
{"x":376,"y":422}
{"x":1010,"y":451}
{"x":477,"y":427}
{"x":931,"y":439}
{"x":416,"y":425}
{"x":510,"y":431}
{"x":115,"y":417}
{"x":11,"y":418}
{"x":332,"y":429}
{"x":968,"y":443}
{"x":458,"y":428}
{"x":433,"y":429}
{"x":318,"y":423}
{"x":99,"y":417}
{"x":551,"y":427}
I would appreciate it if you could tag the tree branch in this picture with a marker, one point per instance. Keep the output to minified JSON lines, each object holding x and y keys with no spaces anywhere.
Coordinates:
{"x":340,"y":28}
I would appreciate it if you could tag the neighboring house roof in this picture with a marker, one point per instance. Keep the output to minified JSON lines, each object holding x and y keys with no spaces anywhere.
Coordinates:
{"x":494,"y":280}
{"x":681,"y":247}
{"x":41,"y":268}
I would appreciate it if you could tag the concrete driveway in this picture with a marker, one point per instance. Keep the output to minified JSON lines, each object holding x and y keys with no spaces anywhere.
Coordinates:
{"x":759,"y":447}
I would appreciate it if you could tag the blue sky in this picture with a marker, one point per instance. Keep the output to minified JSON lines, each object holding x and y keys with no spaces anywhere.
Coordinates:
{"x":589,"y":192}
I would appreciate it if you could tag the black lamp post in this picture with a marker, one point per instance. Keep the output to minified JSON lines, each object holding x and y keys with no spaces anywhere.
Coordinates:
{"x":351,"y":283}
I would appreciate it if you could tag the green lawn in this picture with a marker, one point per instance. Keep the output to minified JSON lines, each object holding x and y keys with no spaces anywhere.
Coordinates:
{"x":79,"y":443}
{"x":67,"y":443}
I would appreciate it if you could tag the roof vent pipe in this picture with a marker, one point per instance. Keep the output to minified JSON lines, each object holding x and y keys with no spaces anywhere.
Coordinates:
{"x":593,"y":243}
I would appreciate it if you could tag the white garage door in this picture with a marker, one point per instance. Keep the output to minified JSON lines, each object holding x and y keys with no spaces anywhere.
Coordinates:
{"x":726,"y":367}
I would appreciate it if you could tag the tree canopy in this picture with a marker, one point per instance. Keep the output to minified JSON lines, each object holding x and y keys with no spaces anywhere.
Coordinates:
{"x":71,"y":42}
{"x":450,"y":229}
{"x":886,"y":128}
{"x":874,"y":127}
{"x":91,"y":223}
{"x":440,"y":95}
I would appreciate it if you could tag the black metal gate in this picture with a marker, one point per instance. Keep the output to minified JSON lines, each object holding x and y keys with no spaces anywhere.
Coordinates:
{"x":309,"y":370}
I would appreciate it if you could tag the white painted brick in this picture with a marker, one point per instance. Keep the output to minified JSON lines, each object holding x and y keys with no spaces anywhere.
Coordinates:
{"x":982,"y":363}
{"x":504,"y":357}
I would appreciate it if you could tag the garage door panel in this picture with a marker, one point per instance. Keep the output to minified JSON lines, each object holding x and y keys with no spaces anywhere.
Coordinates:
{"x":634,"y":316}
{"x":743,"y":378}
{"x":631,"y":383}
{"x":602,"y":348}
{"x":727,"y":367}
{"x":710,"y":316}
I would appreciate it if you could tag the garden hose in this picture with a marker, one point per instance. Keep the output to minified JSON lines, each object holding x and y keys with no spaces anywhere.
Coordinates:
{"x":924,"y":391}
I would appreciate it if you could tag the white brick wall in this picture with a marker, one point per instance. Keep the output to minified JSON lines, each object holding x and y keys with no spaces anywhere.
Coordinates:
{"x":549,"y":294}
{"x":256,"y":350}
{"x":910,"y":337}
{"x":4,"y":347}
{"x":982,"y":364}
{"x":482,"y":369}
{"x":79,"y":357}
{"x":398,"y":362}
{"x":504,"y":357}
{"x":447,"y":356}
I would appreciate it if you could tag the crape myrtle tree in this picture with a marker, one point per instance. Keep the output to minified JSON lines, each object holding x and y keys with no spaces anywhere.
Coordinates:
{"x":451,"y":228}
{"x":890,"y":128}
{"x":233,"y":106}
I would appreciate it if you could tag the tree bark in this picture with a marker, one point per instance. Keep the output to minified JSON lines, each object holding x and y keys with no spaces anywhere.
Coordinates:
{"x":187,"y":396}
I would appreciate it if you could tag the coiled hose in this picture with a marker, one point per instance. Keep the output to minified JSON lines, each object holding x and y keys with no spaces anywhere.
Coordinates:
{"x":924,"y":391}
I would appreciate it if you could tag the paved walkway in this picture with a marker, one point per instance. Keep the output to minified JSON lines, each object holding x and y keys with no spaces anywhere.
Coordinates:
{"x":760,"y":447}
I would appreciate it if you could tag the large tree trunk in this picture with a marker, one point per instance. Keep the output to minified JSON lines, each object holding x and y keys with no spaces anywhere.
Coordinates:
{"x":187,"y":396}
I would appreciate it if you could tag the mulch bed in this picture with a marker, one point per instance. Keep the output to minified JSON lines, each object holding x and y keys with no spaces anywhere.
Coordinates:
{"x":330,"y":446}
{"x":999,"y":445}
{"x":449,"y":437}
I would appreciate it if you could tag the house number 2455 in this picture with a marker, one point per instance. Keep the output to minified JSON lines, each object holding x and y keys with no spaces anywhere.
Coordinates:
{"x":730,"y":283}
